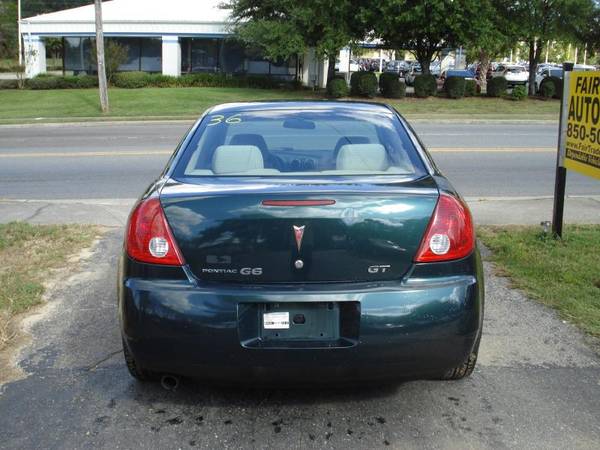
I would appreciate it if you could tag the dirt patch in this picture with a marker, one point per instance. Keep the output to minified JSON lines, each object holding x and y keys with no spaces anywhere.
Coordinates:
{"x":15,"y":328}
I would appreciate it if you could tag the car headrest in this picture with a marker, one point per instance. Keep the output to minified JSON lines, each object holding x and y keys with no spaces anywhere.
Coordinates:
{"x":369,"y":157}
{"x":236,"y":159}
{"x":344,"y":140}
{"x":249,"y":139}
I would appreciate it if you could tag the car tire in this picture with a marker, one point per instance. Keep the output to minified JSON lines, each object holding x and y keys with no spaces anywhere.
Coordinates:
{"x":134,"y":368}
{"x":466,"y":368}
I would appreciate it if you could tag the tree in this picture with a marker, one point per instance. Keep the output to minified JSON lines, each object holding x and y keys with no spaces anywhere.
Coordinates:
{"x":424,"y":28}
{"x":286,"y":28}
{"x":489,"y":35}
{"x":8,"y":29}
{"x":538,"y":21}
{"x":115,"y":55}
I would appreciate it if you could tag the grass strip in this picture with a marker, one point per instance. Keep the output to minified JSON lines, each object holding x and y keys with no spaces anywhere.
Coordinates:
{"x":564,"y":275}
{"x":28,"y":254}
{"x":77,"y":104}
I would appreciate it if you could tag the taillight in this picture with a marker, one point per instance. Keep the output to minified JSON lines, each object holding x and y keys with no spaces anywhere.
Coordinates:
{"x":149,"y":238}
{"x":450,"y":233}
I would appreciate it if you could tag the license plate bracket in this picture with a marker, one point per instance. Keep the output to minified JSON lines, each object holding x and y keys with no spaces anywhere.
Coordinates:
{"x":319,"y":321}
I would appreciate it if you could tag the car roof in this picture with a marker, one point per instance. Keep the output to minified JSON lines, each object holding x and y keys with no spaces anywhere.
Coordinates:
{"x":324,"y":105}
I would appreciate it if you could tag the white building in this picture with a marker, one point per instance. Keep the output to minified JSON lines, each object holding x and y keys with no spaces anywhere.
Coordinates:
{"x":170,"y":37}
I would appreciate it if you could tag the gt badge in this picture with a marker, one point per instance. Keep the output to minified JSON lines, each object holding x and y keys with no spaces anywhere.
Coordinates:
{"x":299,"y":234}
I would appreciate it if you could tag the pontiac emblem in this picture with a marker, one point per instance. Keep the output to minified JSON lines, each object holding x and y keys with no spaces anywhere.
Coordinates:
{"x":299,"y":234}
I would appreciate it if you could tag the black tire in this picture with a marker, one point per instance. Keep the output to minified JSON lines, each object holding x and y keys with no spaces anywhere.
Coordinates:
{"x":466,"y":368}
{"x":134,"y":369}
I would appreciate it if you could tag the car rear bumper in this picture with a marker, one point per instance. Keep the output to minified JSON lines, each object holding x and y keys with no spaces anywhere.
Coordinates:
{"x":416,"y":328}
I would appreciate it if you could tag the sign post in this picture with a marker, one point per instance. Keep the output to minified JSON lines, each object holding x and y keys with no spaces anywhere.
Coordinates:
{"x":579,"y":134}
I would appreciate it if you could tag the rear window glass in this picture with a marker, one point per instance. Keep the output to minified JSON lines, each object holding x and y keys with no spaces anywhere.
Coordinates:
{"x":300,"y":142}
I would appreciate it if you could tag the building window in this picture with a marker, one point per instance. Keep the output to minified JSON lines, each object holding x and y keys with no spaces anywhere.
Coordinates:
{"x":200,"y":55}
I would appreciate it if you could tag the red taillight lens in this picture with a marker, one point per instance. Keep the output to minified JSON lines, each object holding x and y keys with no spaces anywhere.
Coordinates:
{"x":450,"y":233}
{"x":149,"y":238}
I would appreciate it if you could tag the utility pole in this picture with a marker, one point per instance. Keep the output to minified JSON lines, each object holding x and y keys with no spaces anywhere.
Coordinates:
{"x":100,"y":57}
{"x":19,"y":32}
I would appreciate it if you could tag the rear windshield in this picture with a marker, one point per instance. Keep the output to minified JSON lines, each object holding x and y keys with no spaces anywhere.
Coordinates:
{"x":300,"y":143}
{"x":516,"y":69}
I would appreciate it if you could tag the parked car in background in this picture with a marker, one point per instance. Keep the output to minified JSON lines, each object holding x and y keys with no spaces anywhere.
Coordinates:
{"x":300,"y":243}
{"x":435,"y":68}
{"x":546,"y":72}
{"x":413,"y":70}
{"x":514,"y":74}
{"x":555,"y":70}
{"x":460,"y":73}
{"x":396,"y":66}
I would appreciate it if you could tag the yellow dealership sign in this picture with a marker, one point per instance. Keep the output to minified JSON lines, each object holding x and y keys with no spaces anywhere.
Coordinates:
{"x":582,"y":113}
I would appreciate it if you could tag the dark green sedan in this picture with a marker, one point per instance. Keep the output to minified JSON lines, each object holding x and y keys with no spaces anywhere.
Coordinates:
{"x":300,"y":243}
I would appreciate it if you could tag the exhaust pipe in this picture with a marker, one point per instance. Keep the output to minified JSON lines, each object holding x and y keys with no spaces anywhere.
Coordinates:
{"x":169,"y":382}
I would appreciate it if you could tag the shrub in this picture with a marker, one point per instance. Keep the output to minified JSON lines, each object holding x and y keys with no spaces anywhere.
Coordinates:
{"x":80,"y":82}
{"x":496,"y":87}
{"x":385,"y":78}
{"x":470,"y":88}
{"x":130,"y":80}
{"x":548,"y":88}
{"x":363,"y":84}
{"x":391,"y":86}
{"x":337,"y":88}
{"x":9,"y":84}
{"x":425,"y":86}
{"x":396,"y":89}
{"x":519,"y":93}
{"x":454,"y":87}
{"x":44,"y":81}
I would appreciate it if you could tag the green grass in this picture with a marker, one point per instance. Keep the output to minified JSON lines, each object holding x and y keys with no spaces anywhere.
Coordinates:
{"x":60,"y":105}
{"x":562,"y":274}
{"x":28,"y":253}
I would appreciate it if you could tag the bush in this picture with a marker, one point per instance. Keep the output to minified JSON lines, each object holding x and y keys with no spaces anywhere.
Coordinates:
{"x":80,"y":82}
{"x":519,"y":93}
{"x":363,"y":84}
{"x":385,"y":78}
{"x":395,"y":89}
{"x":131,"y":80}
{"x":135,"y":80}
{"x":548,"y":88}
{"x":337,"y":88}
{"x":425,"y":86}
{"x":470,"y":88}
{"x":391,"y":86}
{"x":496,"y":87}
{"x":9,"y":84}
{"x":454,"y":87}
{"x":45,"y":82}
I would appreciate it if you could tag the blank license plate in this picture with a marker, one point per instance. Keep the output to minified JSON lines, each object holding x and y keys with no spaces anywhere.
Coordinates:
{"x":276,"y":320}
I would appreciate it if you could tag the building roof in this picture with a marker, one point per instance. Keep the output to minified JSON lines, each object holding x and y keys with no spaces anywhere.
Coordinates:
{"x":138,"y":17}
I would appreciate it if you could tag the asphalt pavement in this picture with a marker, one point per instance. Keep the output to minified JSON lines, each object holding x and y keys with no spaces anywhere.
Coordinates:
{"x":118,"y":160}
{"x":504,"y":169}
{"x":537,"y":386}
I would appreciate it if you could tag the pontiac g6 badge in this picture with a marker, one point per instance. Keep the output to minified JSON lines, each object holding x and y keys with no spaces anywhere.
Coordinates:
{"x":299,"y":234}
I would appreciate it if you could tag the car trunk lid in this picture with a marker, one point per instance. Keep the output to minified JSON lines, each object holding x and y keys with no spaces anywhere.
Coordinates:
{"x":285,"y":232}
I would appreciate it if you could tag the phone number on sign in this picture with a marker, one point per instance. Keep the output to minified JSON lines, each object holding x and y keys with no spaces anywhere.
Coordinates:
{"x":576,"y":131}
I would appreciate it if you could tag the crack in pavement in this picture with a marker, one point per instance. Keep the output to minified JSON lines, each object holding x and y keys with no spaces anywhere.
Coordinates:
{"x":94,"y":366}
{"x":37,"y":212}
